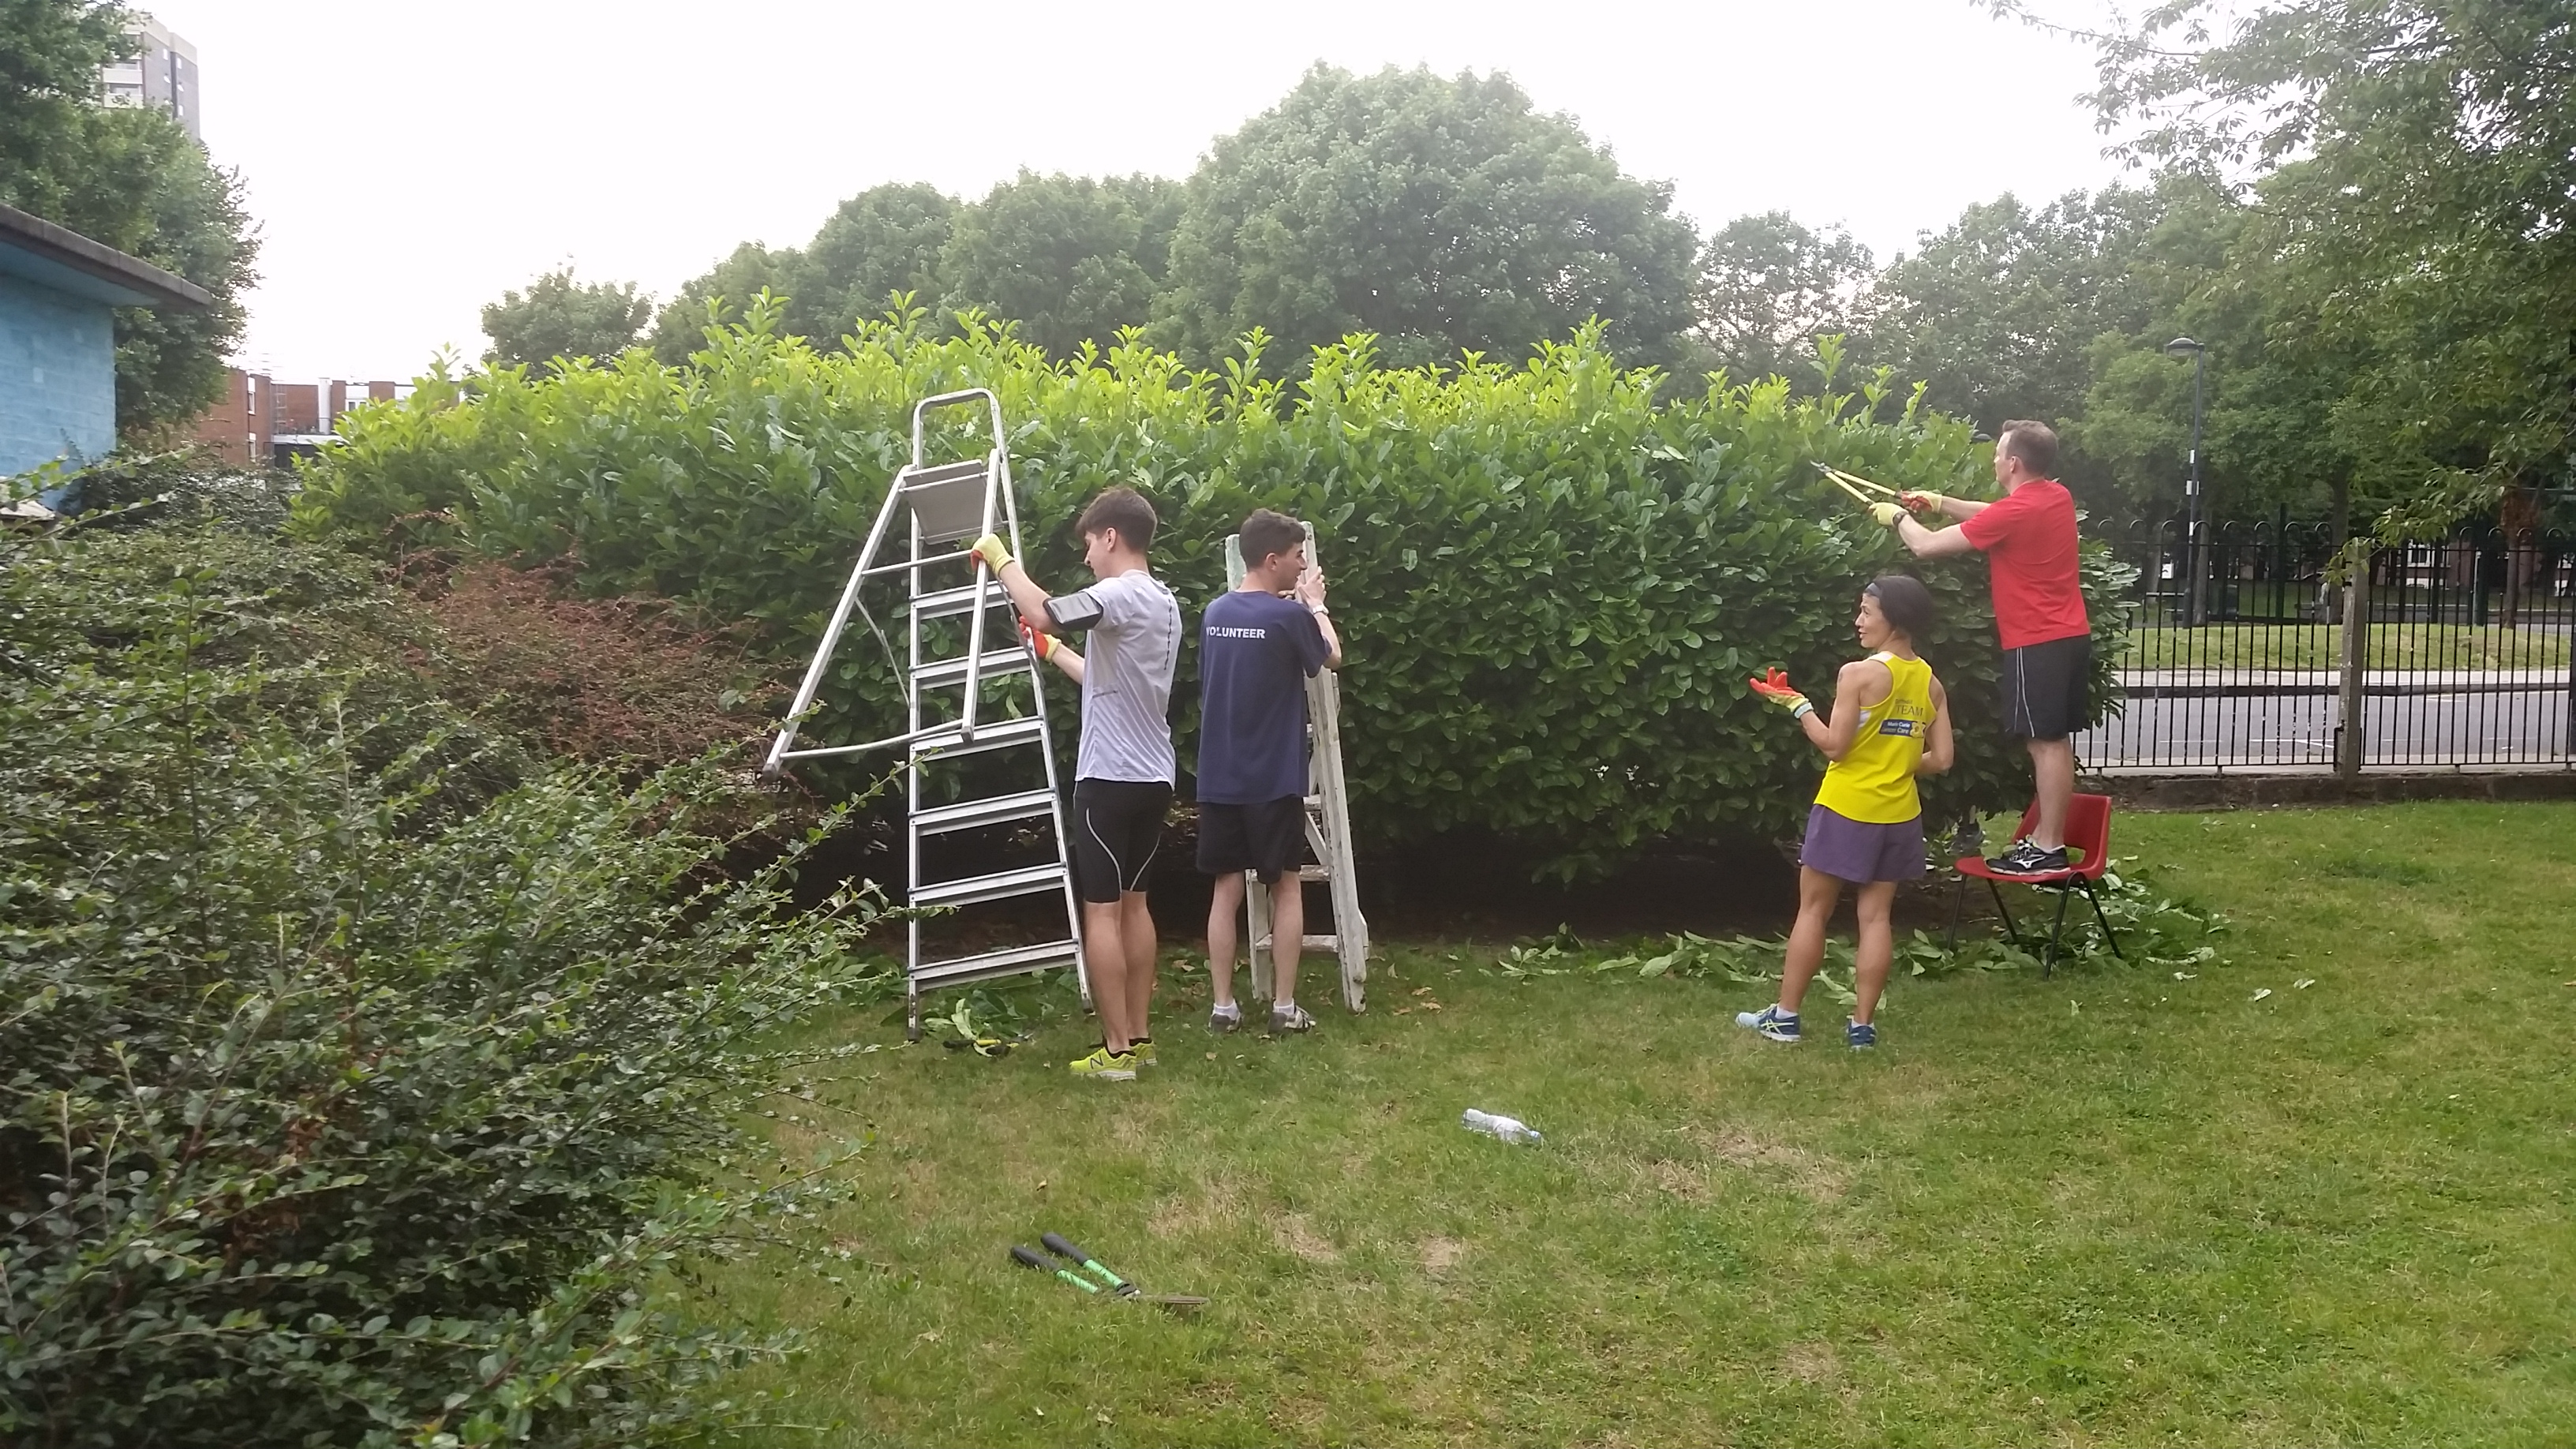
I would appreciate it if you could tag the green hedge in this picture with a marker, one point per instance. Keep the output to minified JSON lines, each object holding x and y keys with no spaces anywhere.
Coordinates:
{"x":1552,"y":585}
{"x":363,"y":1081}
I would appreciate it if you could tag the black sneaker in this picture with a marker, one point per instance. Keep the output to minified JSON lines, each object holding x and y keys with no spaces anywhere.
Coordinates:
{"x":2028,"y":859}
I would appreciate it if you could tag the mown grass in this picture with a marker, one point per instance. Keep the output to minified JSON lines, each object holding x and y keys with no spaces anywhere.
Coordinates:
{"x":2320,"y":646}
{"x":2111,"y":1207}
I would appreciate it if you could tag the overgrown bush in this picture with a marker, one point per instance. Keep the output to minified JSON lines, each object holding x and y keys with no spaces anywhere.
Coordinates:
{"x":1552,"y":584}
{"x":361,"y":1082}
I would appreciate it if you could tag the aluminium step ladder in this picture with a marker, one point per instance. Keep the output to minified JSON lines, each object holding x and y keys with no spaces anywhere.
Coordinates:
{"x":1328,"y":831}
{"x":943,"y":507}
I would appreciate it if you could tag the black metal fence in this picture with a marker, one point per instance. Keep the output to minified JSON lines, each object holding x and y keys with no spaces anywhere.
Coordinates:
{"x":2238,"y":651}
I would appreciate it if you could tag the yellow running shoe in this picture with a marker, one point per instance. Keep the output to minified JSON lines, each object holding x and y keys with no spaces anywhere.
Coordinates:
{"x":1103,"y":1065}
{"x":1142,"y":1049}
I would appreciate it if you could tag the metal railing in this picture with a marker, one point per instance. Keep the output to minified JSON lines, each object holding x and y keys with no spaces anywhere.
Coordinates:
{"x":2459,"y":656}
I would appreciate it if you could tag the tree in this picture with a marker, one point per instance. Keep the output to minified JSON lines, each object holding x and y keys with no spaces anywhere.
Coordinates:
{"x":560,"y":317}
{"x":1439,"y":214}
{"x":886,"y":239}
{"x":730,"y":284}
{"x":1769,"y":288}
{"x":1998,"y":313}
{"x":2420,"y":155}
{"x":133,"y":179}
{"x":1071,"y":259}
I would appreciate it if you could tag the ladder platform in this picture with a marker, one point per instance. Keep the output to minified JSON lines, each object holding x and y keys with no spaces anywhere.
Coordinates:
{"x":996,"y":664}
{"x":1001,"y":885}
{"x":969,"y":814}
{"x":1001,"y":734}
{"x":1004,"y":962}
{"x":946,"y":603}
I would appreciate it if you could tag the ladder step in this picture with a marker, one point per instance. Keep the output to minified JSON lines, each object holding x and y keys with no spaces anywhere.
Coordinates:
{"x":996,"y":664}
{"x":948,"y":602}
{"x":997,"y":963}
{"x":972,"y":813}
{"x":1313,"y":943}
{"x":1000,"y":734}
{"x":1026,"y":881}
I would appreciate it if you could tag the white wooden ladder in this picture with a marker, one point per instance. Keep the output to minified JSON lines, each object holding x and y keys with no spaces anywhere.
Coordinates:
{"x":1328,"y":831}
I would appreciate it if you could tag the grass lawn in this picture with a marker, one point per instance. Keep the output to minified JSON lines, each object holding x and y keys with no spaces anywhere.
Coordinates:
{"x":2111,"y":1207}
{"x":2320,"y":646}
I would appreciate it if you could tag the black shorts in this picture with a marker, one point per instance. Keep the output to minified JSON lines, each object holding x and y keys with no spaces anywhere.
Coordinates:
{"x":2043,"y":687}
{"x":1117,"y":827}
{"x":1265,"y":839}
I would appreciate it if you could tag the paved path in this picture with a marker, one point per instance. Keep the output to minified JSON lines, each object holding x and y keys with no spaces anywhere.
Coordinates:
{"x":2151,"y":682}
{"x":2483,"y":720}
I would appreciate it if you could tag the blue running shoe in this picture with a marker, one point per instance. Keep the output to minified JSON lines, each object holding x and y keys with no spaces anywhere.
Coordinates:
{"x":1770,"y":1022}
{"x":1860,"y":1034}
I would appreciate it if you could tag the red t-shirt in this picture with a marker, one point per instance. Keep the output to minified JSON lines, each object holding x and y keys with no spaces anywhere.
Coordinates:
{"x":2029,"y":542}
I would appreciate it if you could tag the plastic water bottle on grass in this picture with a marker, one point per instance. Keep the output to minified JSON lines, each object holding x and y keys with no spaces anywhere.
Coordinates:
{"x":1509,"y":1129}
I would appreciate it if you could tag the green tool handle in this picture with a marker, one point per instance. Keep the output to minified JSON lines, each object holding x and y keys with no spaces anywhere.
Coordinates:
{"x":1032,"y":1258}
{"x":1064,"y":1248}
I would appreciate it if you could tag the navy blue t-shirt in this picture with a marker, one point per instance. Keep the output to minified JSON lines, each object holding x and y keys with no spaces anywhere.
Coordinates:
{"x":1255,"y":652}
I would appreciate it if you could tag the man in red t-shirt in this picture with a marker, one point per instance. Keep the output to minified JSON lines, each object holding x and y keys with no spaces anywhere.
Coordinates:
{"x":2028,"y":538}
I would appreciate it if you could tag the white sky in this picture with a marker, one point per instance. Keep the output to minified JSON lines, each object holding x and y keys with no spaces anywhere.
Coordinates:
{"x":408,"y":163}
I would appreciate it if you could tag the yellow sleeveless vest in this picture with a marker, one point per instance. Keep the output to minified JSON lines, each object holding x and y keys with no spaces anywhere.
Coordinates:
{"x":1874,"y":784}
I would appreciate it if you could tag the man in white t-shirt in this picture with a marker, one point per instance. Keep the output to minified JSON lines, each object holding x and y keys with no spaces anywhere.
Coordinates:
{"x":1123,"y":772}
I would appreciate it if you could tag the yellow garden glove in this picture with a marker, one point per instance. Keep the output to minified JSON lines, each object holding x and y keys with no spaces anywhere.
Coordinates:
{"x":1926,"y":501}
{"x":1887,"y":513}
{"x":992,"y":551}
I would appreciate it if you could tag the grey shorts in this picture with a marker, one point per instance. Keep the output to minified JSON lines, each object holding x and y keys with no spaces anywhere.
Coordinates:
{"x":1859,"y":852}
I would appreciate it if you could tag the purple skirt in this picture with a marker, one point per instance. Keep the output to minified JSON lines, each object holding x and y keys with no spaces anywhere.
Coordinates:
{"x":1859,"y":852}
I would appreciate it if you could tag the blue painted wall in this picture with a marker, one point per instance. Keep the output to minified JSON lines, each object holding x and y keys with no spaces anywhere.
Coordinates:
{"x":57,"y":376}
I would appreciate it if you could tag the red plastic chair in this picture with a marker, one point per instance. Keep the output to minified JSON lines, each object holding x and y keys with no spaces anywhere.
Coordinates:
{"x":2088,"y":845}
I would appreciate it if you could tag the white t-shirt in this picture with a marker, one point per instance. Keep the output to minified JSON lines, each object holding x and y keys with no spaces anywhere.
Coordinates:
{"x":1134,"y":627}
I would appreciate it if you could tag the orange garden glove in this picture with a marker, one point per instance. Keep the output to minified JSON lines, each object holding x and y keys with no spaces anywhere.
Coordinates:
{"x":1776,"y":688}
{"x":1925,"y":501}
{"x":1042,"y":645}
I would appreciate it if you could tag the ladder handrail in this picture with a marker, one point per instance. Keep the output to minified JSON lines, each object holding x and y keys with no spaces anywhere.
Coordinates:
{"x":813,"y":681}
{"x":922,"y":408}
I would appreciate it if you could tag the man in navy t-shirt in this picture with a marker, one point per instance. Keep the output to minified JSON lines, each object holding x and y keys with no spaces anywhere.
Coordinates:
{"x":1257,"y":647}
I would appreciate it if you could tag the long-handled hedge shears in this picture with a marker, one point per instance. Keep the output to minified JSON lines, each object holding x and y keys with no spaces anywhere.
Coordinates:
{"x":1853,"y":483}
{"x":1119,"y":1287}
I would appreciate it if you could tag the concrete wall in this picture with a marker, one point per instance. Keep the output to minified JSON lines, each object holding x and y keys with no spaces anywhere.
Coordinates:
{"x":57,"y":377}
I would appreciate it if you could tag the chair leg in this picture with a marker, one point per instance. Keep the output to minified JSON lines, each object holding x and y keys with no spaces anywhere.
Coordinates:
{"x":2048,"y":962}
{"x":2002,"y":910}
{"x":2107,"y":933}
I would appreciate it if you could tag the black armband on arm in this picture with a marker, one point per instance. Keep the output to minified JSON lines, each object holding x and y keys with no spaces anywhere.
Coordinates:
{"x":1074,"y":613}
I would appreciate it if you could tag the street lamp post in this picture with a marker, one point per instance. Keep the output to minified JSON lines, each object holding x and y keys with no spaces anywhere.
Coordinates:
{"x":2196,"y":599}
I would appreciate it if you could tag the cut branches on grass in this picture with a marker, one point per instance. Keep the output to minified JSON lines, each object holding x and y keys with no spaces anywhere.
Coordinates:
{"x":2119,"y":1209}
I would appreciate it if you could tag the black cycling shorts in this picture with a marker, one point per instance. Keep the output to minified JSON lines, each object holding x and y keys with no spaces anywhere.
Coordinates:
{"x":1117,"y":827}
{"x":2043,"y":687}
{"x":1265,"y":838}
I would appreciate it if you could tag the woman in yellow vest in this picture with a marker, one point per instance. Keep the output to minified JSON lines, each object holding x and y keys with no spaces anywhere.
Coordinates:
{"x":1891,"y":722}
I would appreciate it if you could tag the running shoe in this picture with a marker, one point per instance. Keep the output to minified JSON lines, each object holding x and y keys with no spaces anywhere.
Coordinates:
{"x":1104,"y":1065}
{"x":1770,"y":1022}
{"x":1142,"y":1049}
{"x":1860,"y":1034}
{"x":2028,"y":859}
{"x":1225,"y":1019}
{"x":1285,"y":1019}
